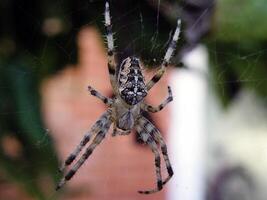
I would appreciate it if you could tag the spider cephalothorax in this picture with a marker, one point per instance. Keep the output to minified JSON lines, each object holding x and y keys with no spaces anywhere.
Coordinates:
{"x":131,"y":85}
{"x":125,"y":109}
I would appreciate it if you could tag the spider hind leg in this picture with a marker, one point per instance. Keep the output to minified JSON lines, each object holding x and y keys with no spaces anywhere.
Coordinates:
{"x":167,"y":57}
{"x":110,"y":42}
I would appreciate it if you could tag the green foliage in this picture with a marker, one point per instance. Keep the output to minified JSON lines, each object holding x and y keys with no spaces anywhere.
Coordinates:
{"x":238,"y":48}
{"x":241,"y":20}
{"x":20,"y":118}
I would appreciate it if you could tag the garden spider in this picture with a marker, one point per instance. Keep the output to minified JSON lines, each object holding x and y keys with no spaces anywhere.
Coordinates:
{"x":124,"y":110}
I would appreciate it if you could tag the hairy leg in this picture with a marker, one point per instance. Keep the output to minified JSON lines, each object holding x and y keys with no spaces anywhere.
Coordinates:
{"x":159,"y":139}
{"x":167,"y":57}
{"x":148,"y":139}
{"x":111,"y":52}
{"x":99,"y":124}
{"x":89,"y":150}
{"x":97,"y":94}
{"x":153,"y":109}
{"x":155,"y":134}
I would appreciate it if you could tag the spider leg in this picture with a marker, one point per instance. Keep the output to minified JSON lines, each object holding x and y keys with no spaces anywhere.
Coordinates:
{"x":95,"y":93}
{"x":154,"y":133}
{"x":110,"y":41}
{"x":152,"y":144}
{"x":167,"y":57}
{"x":97,"y":140}
{"x":152,"y":109}
{"x":86,"y":138}
{"x":159,"y":139}
{"x":147,"y":138}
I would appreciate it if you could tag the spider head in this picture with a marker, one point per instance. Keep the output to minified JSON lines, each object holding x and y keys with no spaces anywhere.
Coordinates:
{"x":132,"y":87}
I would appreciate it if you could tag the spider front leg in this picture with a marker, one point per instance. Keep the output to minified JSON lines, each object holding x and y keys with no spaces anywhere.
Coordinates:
{"x":152,"y":109}
{"x":146,"y":137}
{"x":95,"y":93}
{"x":110,"y":41}
{"x":167,"y":57}
{"x":89,"y":150}
{"x":152,"y":133}
{"x":159,"y":139}
{"x":95,"y":128}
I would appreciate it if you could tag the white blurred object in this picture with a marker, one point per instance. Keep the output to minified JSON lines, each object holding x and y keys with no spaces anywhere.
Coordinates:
{"x":188,"y":133}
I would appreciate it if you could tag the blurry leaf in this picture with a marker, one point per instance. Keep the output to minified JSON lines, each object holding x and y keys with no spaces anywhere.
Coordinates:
{"x":238,"y":65}
{"x":241,"y":20}
{"x":238,"y":48}
{"x":20,"y":117}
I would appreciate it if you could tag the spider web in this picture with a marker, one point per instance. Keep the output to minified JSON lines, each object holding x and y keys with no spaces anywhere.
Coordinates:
{"x":228,"y":81}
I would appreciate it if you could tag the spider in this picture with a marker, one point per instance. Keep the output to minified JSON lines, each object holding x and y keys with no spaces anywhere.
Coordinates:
{"x":124,"y":110}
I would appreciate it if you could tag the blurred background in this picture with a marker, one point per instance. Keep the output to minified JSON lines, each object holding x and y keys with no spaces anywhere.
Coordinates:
{"x":215,"y":128}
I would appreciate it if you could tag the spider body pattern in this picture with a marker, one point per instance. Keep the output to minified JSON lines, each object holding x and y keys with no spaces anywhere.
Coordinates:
{"x":124,"y":110}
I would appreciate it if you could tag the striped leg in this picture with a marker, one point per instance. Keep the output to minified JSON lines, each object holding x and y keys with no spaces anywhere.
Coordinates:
{"x":110,"y":41}
{"x":98,"y":138}
{"x":159,"y":139}
{"x":167,"y":57}
{"x":146,"y":137}
{"x":152,"y":109}
{"x":95,"y":93}
{"x":154,"y":132}
{"x":104,"y":119}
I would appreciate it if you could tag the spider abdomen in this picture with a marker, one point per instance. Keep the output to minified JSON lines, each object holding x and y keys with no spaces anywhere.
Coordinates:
{"x":131,"y":82}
